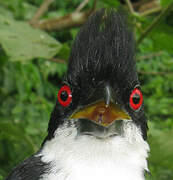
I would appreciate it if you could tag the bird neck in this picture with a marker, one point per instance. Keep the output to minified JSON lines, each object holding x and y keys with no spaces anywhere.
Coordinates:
{"x":74,"y":157}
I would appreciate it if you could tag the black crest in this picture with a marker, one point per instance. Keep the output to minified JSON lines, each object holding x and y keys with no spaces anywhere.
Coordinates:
{"x":103,"y":52}
{"x":103,"y":49}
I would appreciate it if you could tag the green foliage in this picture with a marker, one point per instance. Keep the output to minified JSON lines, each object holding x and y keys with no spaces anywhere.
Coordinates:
{"x":161,"y":158}
{"x":108,"y":3}
{"x":27,"y":97}
{"x":30,"y":43}
{"x":29,"y":80}
{"x":165,"y":3}
{"x":161,"y":35}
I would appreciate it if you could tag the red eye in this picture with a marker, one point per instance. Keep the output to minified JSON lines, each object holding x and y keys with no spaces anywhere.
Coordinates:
{"x":65,"y":96}
{"x":136,"y":99}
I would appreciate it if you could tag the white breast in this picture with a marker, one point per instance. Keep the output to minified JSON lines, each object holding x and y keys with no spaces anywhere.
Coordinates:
{"x":75,"y":157}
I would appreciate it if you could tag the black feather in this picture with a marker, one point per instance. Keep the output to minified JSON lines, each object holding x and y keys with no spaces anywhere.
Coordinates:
{"x":103,"y":49}
{"x":103,"y":53}
{"x":30,"y":169}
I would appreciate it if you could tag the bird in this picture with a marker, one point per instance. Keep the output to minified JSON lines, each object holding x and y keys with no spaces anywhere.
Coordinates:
{"x":98,"y":127}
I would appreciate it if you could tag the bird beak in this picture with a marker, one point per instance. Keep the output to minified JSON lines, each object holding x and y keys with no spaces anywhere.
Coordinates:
{"x":101,"y":113}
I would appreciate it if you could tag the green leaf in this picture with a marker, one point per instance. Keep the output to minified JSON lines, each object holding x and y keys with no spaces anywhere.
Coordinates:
{"x":64,"y":52}
{"x":161,"y":158}
{"x":161,"y":35}
{"x":15,"y":132}
{"x":1,"y":177}
{"x":111,"y":3}
{"x":21,"y":42}
{"x":165,"y":3}
{"x":28,"y":10}
{"x":5,"y":12}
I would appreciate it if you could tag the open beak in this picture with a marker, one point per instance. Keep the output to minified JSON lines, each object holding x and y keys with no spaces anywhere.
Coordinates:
{"x":101,"y":119}
{"x":101,"y":113}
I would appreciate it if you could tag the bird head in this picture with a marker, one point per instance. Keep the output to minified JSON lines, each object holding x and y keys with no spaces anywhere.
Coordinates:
{"x":101,"y":90}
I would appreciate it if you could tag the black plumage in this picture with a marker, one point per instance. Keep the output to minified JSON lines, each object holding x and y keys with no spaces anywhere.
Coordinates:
{"x":30,"y":169}
{"x":103,"y":53}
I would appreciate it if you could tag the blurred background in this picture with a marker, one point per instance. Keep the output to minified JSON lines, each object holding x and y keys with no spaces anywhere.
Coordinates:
{"x":35,"y":41}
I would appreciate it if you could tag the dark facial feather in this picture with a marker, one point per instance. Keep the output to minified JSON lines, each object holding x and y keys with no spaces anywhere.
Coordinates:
{"x":103,"y":53}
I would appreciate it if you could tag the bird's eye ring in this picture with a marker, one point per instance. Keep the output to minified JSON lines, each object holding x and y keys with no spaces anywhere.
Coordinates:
{"x":65,"y":96}
{"x":136,"y":99}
